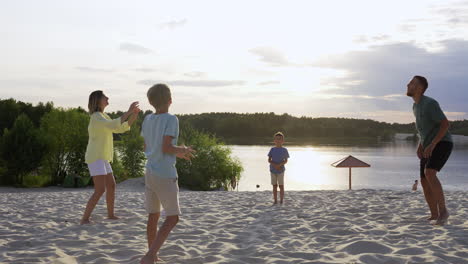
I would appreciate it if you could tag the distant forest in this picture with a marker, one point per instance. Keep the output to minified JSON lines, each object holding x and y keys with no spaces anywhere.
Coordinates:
{"x":252,"y":128}
{"x":259,"y":127}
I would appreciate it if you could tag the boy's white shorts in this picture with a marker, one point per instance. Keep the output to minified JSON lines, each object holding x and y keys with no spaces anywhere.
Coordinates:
{"x":161,"y":191}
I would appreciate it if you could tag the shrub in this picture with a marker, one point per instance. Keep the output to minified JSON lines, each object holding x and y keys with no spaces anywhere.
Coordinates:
{"x":132,"y":156}
{"x":35,"y":179}
{"x":66,"y":136}
{"x":21,"y":150}
{"x":212,"y":168}
{"x":3,"y":170}
{"x":118,"y":170}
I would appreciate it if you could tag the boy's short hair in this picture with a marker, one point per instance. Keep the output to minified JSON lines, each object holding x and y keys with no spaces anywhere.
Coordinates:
{"x":159,"y":95}
{"x":279,"y":134}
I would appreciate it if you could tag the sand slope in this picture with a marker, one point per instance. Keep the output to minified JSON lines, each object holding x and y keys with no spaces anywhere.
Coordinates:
{"x":363,"y":226}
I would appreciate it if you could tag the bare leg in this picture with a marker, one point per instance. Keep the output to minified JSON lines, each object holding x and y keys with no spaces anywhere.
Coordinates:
{"x":161,"y":236}
{"x":152,"y":227}
{"x":110,"y":196}
{"x":275,"y":194}
{"x":99,"y":189}
{"x":281,"y":193}
{"x":438,"y":194}
{"x":431,"y":202}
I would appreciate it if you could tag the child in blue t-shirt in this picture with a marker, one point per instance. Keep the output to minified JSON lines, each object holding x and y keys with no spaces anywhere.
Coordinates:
{"x":278,"y":157}
{"x":160,"y":132}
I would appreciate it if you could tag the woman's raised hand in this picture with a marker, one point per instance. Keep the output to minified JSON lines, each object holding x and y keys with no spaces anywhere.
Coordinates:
{"x":133,"y":107}
{"x":136,"y":110}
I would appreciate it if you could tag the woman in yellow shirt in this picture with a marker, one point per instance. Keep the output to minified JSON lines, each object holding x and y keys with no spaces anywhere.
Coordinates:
{"x":100,"y":150}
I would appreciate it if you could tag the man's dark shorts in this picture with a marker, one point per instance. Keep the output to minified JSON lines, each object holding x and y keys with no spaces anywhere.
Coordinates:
{"x":439,"y":157}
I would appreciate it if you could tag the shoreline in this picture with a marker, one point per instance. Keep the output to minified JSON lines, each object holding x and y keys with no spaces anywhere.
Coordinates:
{"x":7,"y":189}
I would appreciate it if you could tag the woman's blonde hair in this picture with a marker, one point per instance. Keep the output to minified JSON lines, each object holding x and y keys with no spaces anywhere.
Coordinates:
{"x":93,"y":102}
{"x":159,"y":95}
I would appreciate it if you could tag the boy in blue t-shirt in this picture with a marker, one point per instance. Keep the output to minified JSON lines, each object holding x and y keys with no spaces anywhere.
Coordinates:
{"x":277,"y":157}
{"x":161,"y":131}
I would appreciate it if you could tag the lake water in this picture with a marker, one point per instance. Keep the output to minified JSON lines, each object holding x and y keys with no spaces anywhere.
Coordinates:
{"x":393,"y":166}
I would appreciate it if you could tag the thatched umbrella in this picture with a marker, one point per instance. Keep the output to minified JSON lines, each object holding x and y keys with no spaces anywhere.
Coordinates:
{"x":350,"y":162}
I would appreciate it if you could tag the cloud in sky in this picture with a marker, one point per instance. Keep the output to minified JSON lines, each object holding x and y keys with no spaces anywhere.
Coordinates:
{"x":269,"y":83}
{"x":456,"y":14}
{"x":270,"y":56}
{"x":386,"y":69}
{"x":445,"y":20}
{"x":134,"y":48}
{"x":145,"y":69}
{"x":371,"y":39}
{"x":195,"y":74}
{"x":389,"y":97}
{"x":93,"y":69}
{"x":173,"y":24}
{"x":195,"y":83}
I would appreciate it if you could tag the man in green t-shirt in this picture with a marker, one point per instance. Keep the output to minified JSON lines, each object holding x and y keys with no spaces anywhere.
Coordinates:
{"x":435,"y":146}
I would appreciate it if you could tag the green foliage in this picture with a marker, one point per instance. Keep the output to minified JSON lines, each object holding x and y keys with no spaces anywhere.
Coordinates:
{"x":76,"y":147}
{"x":4,"y":176}
{"x":35,"y":180}
{"x":74,"y":180}
{"x":10,"y":109}
{"x":132,"y":156}
{"x":459,"y":127}
{"x":66,"y":137}
{"x":212,"y":167}
{"x":259,"y":127}
{"x":118,"y":170}
{"x":21,"y":150}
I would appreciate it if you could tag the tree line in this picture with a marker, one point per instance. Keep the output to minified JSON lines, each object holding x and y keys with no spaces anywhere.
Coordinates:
{"x":259,"y":127}
{"x":235,"y":128}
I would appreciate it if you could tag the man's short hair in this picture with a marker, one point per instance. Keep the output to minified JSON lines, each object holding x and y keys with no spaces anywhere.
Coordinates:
{"x":159,"y":95}
{"x":423,"y":81}
{"x":280,"y":134}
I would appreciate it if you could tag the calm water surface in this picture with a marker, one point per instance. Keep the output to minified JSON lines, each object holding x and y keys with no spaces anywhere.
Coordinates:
{"x":393,"y":166}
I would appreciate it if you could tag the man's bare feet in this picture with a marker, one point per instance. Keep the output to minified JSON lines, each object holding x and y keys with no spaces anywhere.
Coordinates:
{"x":148,"y":259}
{"x":85,"y":222}
{"x":442,"y":218}
{"x":113,"y":217}
{"x":275,"y":202}
{"x":432,"y":217}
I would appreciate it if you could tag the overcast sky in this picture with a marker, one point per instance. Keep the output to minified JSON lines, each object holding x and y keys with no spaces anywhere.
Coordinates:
{"x":306,"y":58}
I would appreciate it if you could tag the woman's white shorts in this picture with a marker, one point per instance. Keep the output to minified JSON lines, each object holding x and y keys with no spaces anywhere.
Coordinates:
{"x":99,"y":167}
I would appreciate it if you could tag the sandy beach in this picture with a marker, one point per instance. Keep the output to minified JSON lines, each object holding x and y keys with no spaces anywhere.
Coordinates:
{"x":359,"y":226}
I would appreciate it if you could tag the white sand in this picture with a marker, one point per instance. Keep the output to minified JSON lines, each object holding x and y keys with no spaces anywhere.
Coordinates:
{"x":363,"y":226}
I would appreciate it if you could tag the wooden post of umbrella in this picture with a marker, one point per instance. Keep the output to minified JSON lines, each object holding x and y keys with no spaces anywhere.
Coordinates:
{"x":350,"y":162}
{"x":349,"y":178}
